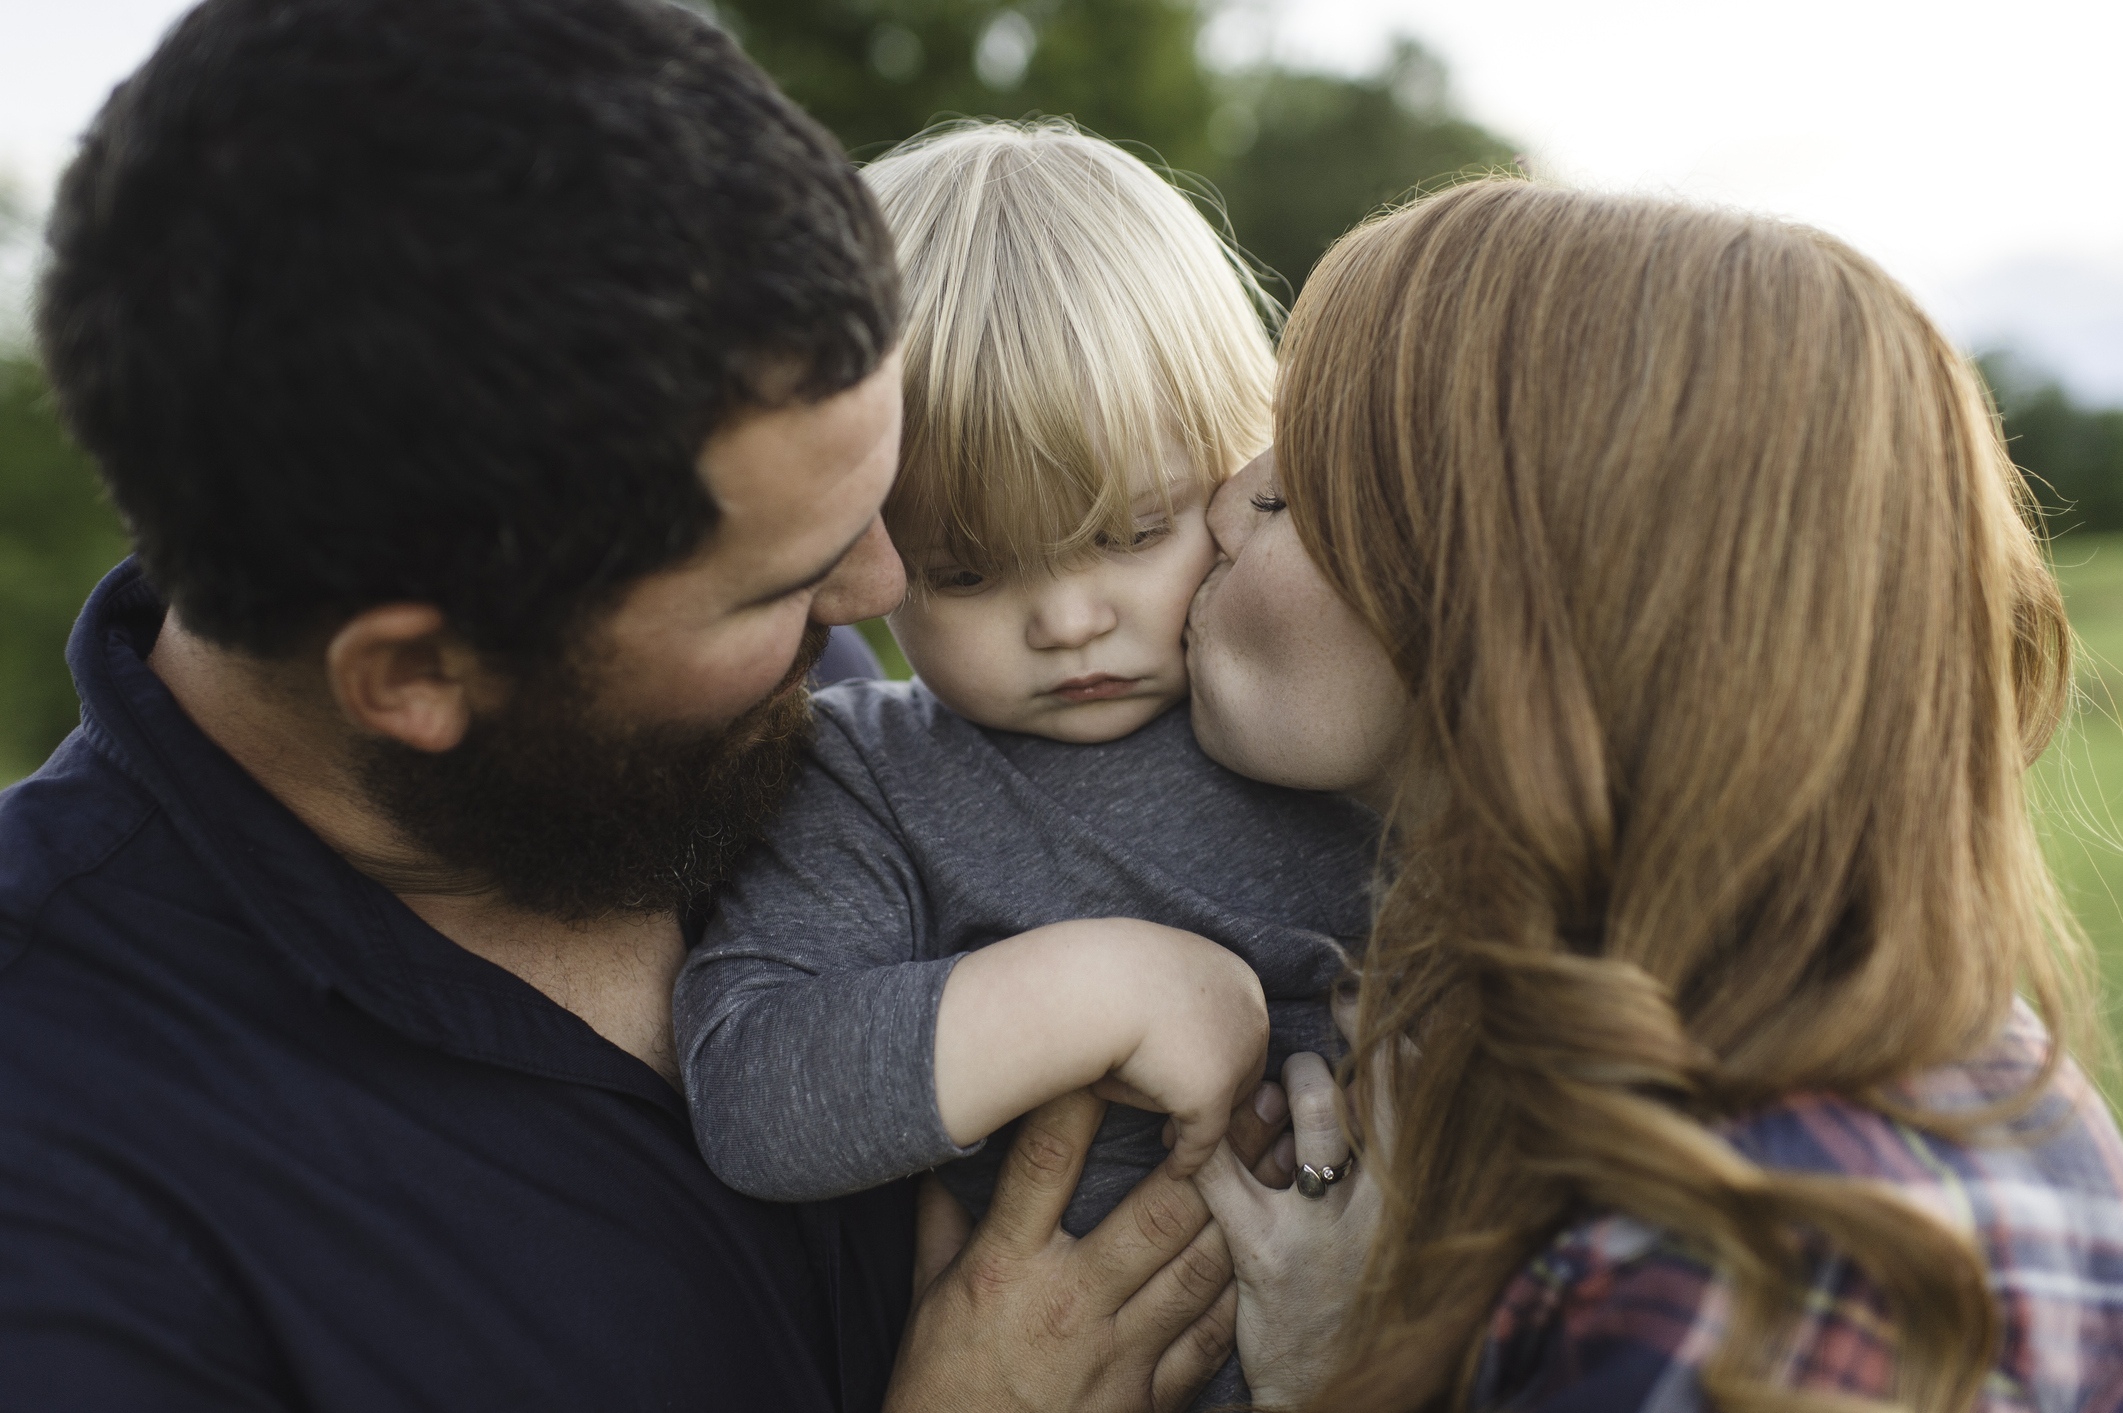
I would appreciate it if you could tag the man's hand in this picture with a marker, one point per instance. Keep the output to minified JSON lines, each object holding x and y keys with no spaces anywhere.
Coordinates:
{"x":1134,"y":1317}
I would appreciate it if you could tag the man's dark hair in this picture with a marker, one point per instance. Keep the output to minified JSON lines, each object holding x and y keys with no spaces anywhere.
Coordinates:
{"x":358,"y":301}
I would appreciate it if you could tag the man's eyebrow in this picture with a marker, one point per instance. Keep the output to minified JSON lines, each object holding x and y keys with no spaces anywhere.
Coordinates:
{"x":814,"y":580}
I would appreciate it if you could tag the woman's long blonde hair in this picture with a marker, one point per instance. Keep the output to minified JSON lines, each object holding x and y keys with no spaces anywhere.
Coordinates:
{"x":1698,"y":550}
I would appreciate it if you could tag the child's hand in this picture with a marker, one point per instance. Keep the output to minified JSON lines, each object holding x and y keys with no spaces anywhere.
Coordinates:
{"x":1204,"y":1044}
{"x":1145,"y":1015}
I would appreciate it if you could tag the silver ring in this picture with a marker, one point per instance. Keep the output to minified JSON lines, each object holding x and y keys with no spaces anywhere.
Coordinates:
{"x":1313,"y":1182}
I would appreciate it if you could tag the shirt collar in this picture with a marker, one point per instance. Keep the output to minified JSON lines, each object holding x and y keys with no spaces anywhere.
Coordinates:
{"x":341,"y":930}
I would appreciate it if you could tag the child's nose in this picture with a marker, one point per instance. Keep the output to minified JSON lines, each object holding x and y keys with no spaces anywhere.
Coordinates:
{"x":1070,"y":614}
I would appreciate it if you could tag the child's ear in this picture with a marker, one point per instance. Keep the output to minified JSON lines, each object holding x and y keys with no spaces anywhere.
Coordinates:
{"x":400,"y":671}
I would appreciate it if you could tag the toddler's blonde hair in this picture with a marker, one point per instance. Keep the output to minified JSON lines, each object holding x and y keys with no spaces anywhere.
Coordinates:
{"x":1069,"y":313}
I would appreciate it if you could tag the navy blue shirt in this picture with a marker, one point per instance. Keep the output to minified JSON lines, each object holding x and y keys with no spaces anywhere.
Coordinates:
{"x":269,"y":1141}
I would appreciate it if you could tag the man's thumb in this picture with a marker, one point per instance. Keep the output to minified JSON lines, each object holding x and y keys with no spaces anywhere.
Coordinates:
{"x":941,"y":1227}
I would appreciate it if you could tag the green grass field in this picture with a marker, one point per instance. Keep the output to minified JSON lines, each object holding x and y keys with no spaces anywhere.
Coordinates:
{"x":2078,"y":784}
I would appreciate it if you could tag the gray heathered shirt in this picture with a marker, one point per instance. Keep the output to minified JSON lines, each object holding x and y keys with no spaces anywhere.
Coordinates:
{"x":806,"y":1018}
{"x":807,"y":1015}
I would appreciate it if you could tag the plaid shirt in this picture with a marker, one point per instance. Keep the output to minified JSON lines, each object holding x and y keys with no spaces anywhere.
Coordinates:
{"x":1616,"y":1316}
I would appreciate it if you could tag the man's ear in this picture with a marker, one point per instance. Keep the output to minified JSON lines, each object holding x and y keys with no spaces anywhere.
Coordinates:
{"x":400,"y":671}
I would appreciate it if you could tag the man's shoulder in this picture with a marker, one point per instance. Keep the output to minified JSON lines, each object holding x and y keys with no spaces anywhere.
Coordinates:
{"x":101,"y":903}
{"x":60,"y":824}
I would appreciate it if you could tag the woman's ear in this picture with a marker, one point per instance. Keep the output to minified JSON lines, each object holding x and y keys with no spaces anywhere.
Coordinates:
{"x":400,"y":671}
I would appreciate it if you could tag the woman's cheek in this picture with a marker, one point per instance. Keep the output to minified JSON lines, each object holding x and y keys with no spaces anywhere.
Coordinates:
{"x":1292,"y":688}
{"x":1240,"y":706}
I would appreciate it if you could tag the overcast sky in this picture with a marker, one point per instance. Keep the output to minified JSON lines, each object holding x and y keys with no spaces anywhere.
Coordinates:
{"x":1973,"y":150}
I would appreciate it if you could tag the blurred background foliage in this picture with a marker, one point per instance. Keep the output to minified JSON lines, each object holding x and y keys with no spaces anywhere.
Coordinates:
{"x":2072,"y":454}
{"x":57,"y":538}
{"x":1294,"y":157}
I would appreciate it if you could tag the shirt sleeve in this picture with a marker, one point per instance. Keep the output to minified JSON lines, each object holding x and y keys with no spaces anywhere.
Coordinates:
{"x":1614,"y":1318}
{"x":806,"y":1017}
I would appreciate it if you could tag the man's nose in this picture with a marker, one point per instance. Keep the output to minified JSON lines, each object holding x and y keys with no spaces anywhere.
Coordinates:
{"x":868,"y":581}
{"x":1070,"y":612}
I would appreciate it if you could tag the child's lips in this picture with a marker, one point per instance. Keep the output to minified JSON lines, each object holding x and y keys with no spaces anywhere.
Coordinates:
{"x":1095,"y":687}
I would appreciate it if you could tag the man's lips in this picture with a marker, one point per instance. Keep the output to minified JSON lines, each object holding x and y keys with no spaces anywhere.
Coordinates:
{"x":1095,"y":687}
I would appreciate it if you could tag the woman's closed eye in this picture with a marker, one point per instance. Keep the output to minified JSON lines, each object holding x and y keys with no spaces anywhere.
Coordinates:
{"x":1268,"y":502}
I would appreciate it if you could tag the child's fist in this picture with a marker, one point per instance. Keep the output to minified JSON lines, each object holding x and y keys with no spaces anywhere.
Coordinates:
{"x":1203,"y":1045}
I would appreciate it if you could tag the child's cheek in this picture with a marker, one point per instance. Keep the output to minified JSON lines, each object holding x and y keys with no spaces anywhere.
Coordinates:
{"x":915,"y":631}
{"x":1197,"y":558}
{"x":956,"y":647}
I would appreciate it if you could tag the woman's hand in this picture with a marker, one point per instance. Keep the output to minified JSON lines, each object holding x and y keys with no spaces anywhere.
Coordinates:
{"x":1297,"y":1259}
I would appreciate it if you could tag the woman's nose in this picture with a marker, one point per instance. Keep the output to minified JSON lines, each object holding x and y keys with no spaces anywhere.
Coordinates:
{"x":1069,"y":613}
{"x":1231,"y":513}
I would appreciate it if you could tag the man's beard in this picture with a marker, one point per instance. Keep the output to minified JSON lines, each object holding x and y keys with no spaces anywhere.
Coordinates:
{"x":572,"y":816}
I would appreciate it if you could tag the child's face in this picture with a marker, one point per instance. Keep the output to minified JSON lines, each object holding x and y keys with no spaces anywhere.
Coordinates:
{"x":1086,"y":654}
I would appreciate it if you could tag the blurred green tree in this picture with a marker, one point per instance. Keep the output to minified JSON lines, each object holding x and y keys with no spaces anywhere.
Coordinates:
{"x":58,"y":536}
{"x":2071,"y":454}
{"x":1299,"y":157}
{"x":17,"y":229}
{"x":1305,"y":156}
{"x":876,"y":71}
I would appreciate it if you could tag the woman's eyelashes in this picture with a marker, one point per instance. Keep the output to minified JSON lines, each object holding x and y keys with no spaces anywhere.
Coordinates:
{"x":1268,"y":502}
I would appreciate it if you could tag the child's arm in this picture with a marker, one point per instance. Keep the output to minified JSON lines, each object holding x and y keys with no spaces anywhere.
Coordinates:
{"x":1149,"y":1015}
{"x":807,"y":1017}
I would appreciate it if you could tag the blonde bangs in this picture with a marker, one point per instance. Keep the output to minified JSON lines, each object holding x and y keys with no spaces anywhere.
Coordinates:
{"x":1068,"y":314}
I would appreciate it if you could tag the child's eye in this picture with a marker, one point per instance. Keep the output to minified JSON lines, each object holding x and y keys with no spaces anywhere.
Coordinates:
{"x":952,"y":580}
{"x":1268,"y":502}
{"x":1146,"y":533}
